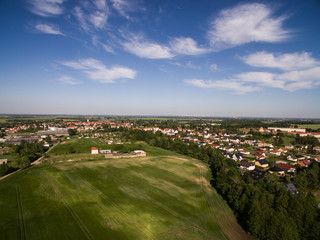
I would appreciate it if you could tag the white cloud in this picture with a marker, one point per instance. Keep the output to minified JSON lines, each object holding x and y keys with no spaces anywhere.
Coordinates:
{"x":46,"y":8}
{"x":289,"y":61}
{"x":49,"y":29}
{"x":145,"y":49}
{"x":96,"y":70}
{"x":68,"y":80}
{"x":108,"y":48}
{"x":98,"y":19}
{"x":312,"y":74}
{"x":213,"y":67}
{"x":123,"y":7}
{"x":254,"y":81}
{"x":81,"y":18}
{"x":246,"y":23}
{"x":262,"y":78}
{"x":300,"y":85}
{"x":186,"y":46}
{"x":83,"y":64}
{"x":233,"y":85}
{"x":101,"y":4}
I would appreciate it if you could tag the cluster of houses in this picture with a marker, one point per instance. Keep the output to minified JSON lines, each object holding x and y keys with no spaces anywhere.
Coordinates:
{"x":251,"y":154}
{"x":114,"y":154}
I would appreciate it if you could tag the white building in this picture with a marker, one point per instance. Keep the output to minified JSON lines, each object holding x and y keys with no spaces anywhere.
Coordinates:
{"x":94,"y":150}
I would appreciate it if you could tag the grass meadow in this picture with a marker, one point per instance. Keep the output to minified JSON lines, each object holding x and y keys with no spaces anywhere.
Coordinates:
{"x":312,"y":126}
{"x":161,"y":196}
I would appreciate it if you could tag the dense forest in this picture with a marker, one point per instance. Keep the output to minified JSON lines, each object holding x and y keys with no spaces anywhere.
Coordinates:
{"x":264,"y":208}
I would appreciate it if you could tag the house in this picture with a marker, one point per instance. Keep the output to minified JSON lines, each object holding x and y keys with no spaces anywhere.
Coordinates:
{"x":94,"y":150}
{"x":246,"y":165}
{"x":275,"y":152}
{"x":235,"y":157}
{"x":3,"y":161}
{"x":287,"y":167}
{"x":304,"y":163}
{"x":292,"y":188}
{"x":300,"y":157}
{"x":262,"y":163}
{"x":257,"y":174}
{"x":245,"y":152}
{"x":289,"y":147}
{"x":292,"y":158}
{"x":277,"y":170}
{"x":284,"y":150}
{"x":260,"y":155}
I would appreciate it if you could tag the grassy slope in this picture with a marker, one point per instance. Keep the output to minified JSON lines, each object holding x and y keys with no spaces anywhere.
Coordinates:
{"x":164,"y":196}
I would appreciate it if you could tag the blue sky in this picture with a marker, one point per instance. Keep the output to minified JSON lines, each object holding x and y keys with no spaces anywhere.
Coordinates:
{"x":137,"y":57}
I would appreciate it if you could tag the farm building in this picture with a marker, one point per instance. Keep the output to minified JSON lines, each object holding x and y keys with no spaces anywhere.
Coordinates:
{"x":94,"y":150}
{"x":3,"y":161}
{"x":140,"y":153}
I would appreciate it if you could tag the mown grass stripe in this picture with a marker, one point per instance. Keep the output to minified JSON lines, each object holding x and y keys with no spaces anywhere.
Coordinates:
{"x":20,"y":215}
{"x":115,"y":206}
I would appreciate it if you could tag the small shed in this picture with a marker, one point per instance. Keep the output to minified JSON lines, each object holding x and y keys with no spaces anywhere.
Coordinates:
{"x":94,"y":150}
{"x":3,"y":161}
{"x":140,"y":153}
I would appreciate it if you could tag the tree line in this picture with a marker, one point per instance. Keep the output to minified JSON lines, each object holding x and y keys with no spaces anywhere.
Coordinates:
{"x":264,"y":208}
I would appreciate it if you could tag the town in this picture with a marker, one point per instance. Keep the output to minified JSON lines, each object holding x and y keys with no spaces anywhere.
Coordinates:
{"x":276,"y":150}
{"x":251,"y":160}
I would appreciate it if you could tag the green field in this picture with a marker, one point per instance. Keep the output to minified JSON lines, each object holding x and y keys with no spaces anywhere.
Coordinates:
{"x":161,"y":196}
{"x":312,"y":126}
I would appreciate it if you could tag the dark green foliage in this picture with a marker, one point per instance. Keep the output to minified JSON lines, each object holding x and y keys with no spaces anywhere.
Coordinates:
{"x":5,"y":169}
{"x":72,"y":132}
{"x":31,"y":150}
{"x":264,"y":208}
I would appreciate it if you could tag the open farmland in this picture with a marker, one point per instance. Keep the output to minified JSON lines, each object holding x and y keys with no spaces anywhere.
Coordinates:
{"x":312,"y":126}
{"x":157,"y":197}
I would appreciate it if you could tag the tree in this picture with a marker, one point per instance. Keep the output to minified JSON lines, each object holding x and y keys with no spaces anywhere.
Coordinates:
{"x":48,"y":139}
{"x":72,"y":132}
{"x":25,"y":161}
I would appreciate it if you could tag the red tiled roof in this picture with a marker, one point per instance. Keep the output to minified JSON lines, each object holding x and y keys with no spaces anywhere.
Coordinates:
{"x":284,"y":166}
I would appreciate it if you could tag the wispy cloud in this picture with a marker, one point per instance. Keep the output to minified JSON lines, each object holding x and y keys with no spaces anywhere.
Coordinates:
{"x":213,"y":67}
{"x":233,"y":85}
{"x":123,"y":7}
{"x":92,"y":16}
{"x":107,"y":48}
{"x":79,"y":14}
{"x":142,"y":48}
{"x":187,"y":46}
{"x":46,"y":8}
{"x":246,"y":23}
{"x":253,"y":81}
{"x":49,"y":29}
{"x":288,"y":61}
{"x":101,"y":4}
{"x":98,"y":19}
{"x":264,"y":79}
{"x":188,"y":64}
{"x":68,"y":80}
{"x":96,"y":70}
